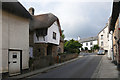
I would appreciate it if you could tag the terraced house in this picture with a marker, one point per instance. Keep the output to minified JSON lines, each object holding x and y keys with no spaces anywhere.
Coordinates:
{"x":88,"y":42}
{"x":14,"y":37}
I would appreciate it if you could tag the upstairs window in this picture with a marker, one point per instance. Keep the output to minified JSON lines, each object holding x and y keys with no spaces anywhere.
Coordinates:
{"x":101,"y":43}
{"x":101,"y":37}
{"x":54,"y":35}
{"x":86,"y":44}
{"x":90,"y":43}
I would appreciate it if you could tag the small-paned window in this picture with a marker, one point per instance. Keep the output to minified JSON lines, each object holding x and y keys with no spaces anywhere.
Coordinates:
{"x":54,"y":35}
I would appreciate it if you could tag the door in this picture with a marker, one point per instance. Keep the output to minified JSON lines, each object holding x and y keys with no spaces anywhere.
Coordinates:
{"x":14,"y":62}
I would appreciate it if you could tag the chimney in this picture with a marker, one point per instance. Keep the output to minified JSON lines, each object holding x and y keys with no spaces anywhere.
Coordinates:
{"x":79,"y":38}
{"x":31,"y":11}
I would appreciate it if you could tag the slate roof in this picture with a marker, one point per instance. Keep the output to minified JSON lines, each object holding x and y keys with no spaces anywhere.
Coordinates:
{"x":15,"y":8}
{"x":115,"y":14}
{"x":88,"y":39}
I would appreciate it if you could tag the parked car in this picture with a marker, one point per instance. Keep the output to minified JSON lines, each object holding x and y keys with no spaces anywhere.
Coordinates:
{"x":101,"y":52}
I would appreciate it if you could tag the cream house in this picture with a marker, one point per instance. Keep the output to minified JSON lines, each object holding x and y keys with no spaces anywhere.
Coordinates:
{"x":103,"y":38}
{"x":14,"y":38}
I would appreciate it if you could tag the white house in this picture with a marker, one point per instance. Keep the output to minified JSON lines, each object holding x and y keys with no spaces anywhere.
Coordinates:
{"x":103,"y":38}
{"x":45,"y":32}
{"x":110,"y":42}
{"x":88,"y":42}
{"x":14,"y":38}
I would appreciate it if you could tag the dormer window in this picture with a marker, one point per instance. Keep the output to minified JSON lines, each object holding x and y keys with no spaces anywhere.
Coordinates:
{"x":54,"y":35}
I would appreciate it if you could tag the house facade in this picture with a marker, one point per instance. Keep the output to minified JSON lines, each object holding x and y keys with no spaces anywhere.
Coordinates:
{"x":115,"y":27}
{"x":88,"y":42}
{"x":110,"y":42}
{"x":14,"y":38}
{"x":45,"y":32}
{"x":103,"y":38}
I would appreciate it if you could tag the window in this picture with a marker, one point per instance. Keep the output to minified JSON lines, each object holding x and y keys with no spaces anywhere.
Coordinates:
{"x":90,"y":43}
{"x":101,"y":43}
{"x":54,"y":35}
{"x":86,"y":44}
{"x":14,"y":55}
{"x":101,"y":36}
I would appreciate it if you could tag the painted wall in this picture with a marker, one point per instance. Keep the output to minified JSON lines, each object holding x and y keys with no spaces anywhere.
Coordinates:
{"x":15,"y":35}
{"x":89,"y":46}
{"x":53,"y":28}
{"x":110,"y":43}
{"x":49,"y":37}
{"x":104,"y":32}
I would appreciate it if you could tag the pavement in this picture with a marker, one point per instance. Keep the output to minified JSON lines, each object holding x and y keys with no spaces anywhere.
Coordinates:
{"x":106,"y":69}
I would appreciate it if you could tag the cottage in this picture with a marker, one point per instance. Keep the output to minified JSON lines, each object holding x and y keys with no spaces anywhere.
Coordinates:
{"x":45,"y":32}
{"x":14,"y":38}
{"x":88,"y":42}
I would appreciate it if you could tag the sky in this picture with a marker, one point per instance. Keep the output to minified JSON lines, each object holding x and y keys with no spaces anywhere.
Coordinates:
{"x":84,"y":18}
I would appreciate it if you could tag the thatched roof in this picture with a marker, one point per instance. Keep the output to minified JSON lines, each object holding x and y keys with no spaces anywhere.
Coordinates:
{"x":43,"y":21}
{"x":15,"y":8}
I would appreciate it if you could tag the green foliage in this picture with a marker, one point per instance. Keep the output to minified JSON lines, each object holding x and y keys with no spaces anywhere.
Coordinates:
{"x":86,"y":48}
{"x":95,"y":47}
{"x":72,"y":46}
{"x":63,"y":36}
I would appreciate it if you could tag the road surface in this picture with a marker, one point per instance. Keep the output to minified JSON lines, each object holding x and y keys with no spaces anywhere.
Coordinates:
{"x":81,"y":68}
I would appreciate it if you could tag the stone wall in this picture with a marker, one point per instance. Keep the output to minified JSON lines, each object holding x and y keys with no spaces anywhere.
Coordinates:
{"x":41,"y":62}
{"x":66,"y":57}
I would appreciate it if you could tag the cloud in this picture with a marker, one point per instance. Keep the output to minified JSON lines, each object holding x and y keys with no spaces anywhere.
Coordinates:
{"x":77,"y":18}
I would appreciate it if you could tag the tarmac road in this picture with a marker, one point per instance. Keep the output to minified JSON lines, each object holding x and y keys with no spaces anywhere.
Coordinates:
{"x":81,"y":68}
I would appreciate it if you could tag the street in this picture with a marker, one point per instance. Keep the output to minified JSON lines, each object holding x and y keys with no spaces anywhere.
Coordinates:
{"x":84,"y":67}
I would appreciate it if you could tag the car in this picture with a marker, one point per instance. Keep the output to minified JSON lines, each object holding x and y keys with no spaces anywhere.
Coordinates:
{"x":101,"y":52}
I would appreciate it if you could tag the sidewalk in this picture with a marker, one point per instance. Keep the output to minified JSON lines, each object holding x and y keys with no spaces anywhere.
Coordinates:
{"x":106,"y":69}
{"x":21,"y":76}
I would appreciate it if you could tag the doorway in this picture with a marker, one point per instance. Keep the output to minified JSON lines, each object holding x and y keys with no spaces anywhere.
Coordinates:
{"x":14,"y":62}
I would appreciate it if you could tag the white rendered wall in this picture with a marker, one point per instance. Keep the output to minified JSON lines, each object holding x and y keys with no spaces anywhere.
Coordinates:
{"x":110,"y":51}
{"x":89,"y":46}
{"x":104,"y":40}
{"x":15,"y":35}
{"x":53,"y":28}
{"x":49,"y":38}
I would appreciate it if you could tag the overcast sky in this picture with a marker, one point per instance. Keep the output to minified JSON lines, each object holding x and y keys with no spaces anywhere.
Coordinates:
{"x":77,"y":17}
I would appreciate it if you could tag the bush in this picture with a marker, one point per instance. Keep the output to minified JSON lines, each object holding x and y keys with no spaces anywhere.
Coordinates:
{"x":72,"y":46}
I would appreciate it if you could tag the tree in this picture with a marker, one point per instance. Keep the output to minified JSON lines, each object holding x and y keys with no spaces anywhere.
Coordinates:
{"x":63,"y":35}
{"x":72,"y":46}
{"x":95,"y":47}
{"x":86,"y":48}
